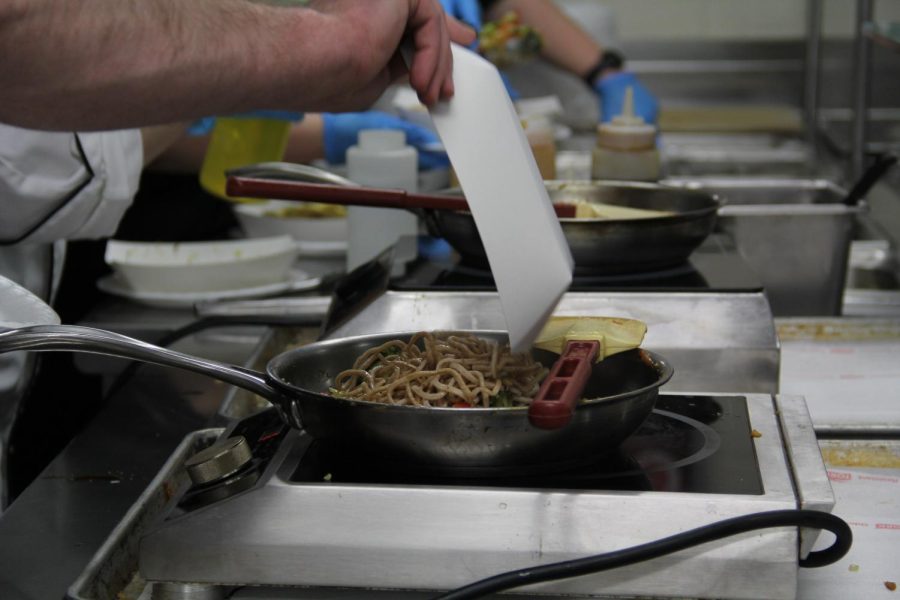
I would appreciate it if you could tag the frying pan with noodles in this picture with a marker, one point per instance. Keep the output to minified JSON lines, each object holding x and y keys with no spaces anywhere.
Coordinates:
{"x":620,"y":393}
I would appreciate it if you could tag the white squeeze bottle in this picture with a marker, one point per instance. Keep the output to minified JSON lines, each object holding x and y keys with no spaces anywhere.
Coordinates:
{"x":381,"y":158}
{"x":626,"y":147}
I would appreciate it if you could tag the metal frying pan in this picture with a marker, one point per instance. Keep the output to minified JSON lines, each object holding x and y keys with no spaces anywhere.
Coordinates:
{"x":599,"y":246}
{"x":608,"y":246}
{"x":620,"y":393}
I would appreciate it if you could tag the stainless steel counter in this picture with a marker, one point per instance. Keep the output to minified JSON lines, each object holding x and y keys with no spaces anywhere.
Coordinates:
{"x":717,"y":342}
{"x":50,"y":533}
{"x":51,"y":530}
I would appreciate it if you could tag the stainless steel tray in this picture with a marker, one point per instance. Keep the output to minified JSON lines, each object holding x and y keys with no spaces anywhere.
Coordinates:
{"x":795,"y":233}
{"x":113,"y":570}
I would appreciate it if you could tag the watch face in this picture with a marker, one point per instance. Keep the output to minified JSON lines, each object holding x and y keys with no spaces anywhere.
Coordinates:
{"x":611,"y":60}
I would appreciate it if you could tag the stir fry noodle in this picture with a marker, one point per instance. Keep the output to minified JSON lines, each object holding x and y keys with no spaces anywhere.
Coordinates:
{"x":442,"y":370}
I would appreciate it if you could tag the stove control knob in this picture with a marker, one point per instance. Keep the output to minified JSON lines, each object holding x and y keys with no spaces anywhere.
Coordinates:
{"x":219,"y":460}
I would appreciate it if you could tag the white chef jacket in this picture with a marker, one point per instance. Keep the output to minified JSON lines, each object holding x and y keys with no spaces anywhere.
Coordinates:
{"x":54,"y":186}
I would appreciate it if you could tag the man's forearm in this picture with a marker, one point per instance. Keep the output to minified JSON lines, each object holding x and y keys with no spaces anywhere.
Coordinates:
{"x":102,"y":64}
{"x":123,"y":63}
{"x":106,"y":54}
{"x":156,"y":140}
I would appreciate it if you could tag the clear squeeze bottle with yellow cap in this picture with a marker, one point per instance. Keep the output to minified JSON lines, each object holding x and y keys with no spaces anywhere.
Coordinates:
{"x":239,"y":141}
{"x":626,"y":147}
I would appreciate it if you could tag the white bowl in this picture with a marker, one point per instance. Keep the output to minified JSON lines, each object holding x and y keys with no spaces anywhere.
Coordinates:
{"x":202,"y":266}
{"x":261,"y":219}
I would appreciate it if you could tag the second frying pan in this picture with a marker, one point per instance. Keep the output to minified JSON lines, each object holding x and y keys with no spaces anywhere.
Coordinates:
{"x":599,"y":246}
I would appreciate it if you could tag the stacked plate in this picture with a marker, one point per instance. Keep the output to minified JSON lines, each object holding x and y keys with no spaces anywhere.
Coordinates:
{"x":181,"y":274}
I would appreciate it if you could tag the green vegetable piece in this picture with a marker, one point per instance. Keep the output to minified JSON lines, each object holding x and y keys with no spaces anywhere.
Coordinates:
{"x":502,"y":399}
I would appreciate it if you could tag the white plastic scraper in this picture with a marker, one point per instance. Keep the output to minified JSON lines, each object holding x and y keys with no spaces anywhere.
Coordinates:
{"x":525,"y":245}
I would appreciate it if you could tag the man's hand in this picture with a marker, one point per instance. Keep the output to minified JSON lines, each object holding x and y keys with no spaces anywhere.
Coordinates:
{"x":432,"y":31}
{"x":359,"y":47}
{"x":109,"y":64}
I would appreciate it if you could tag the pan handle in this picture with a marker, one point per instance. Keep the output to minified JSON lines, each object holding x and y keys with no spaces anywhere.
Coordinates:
{"x":289,"y":172}
{"x":872,"y":175}
{"x":560,"y":391}
{"x":255,"y":187}
{"x":98,"y":341}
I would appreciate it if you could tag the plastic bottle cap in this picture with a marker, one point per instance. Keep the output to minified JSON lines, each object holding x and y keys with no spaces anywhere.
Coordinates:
{"x":374,"y":140}
{"x":627,"y":118}
{"x":627,"y":131}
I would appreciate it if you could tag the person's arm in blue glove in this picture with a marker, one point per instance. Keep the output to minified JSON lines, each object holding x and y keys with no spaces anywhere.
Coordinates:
{"x":205,"y":125}
{"x":470,"y":13}
{"x":329,"y":136}
{"x":316,"y":137}
{"x":467,"y":11}
{"x":612,"y":87}
{"x":571,"y":48}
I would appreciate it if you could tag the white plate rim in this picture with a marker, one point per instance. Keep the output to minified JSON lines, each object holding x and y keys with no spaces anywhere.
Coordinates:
{"x":322,"y":249}
{"x":113,"y":284}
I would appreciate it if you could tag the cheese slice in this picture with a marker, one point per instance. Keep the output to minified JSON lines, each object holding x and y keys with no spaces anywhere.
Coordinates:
{"x":596,"y":210}
{"x":615,"y":334}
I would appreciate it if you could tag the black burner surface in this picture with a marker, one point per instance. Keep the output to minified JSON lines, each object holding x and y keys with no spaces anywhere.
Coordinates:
{"x":700,"y":444}
{"x":715,"y":266}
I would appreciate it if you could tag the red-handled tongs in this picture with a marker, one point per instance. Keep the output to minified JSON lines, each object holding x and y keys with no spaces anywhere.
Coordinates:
{"x":257,"y":187}
{"x":581,"y":342}
{"x":561,"y":390}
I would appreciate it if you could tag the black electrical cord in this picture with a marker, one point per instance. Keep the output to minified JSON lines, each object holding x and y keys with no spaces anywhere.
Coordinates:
{"x":627,"y":556}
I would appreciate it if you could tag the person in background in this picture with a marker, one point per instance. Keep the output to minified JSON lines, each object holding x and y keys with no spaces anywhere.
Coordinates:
{"x":312,"y":137}
{"x":329,"y":136}
{"x":569,"y":47}
{"x":105,"y":68}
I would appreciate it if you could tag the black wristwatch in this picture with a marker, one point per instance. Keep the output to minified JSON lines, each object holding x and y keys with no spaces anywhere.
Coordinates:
{"x":609,"y":60}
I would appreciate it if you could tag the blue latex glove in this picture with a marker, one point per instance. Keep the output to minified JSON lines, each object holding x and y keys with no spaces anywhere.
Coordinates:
{"x":612,"y":96}
{"x":341,"y":132}
{"x":513,"y":92}
{"x":467,"y":11}
{"x":205,"y":125}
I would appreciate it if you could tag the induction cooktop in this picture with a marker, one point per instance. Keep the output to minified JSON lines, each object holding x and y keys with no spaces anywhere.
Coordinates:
{"x":715,"y":266}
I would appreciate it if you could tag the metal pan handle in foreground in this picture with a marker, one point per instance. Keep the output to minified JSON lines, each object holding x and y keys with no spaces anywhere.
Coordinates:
{"x":42,"y":338}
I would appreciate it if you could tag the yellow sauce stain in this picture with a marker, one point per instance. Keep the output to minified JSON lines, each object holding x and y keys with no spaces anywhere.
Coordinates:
{"x":833,"y":331}
{"x":873,"y":456}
